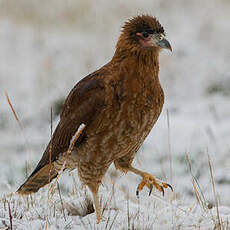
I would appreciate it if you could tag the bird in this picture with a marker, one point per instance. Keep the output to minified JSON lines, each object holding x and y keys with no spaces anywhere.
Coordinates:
{"x":118,"y":106}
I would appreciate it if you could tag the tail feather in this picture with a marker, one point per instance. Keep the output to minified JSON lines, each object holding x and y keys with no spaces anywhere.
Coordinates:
{"x":37,"y":180}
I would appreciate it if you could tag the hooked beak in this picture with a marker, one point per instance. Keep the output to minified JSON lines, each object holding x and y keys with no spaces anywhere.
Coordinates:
{"x":163,"y":43}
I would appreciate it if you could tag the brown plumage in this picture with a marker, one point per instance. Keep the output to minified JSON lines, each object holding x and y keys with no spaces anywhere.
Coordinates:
{"x":119,"y":104}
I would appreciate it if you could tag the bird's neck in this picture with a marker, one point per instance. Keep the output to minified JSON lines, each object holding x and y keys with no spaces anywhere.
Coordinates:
{"x":138,"y":61}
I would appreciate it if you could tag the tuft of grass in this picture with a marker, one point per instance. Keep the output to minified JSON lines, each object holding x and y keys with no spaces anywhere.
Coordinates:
{"x":10,"y":216}
{"x":59,"y":192}
{"x":82,"y":208}
{"x":219,"y":222}
{"x":113,"y":221}
{"x":197,"y":189}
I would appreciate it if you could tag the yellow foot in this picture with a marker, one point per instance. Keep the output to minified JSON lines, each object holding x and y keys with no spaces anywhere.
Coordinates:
{"x":150,"y":181}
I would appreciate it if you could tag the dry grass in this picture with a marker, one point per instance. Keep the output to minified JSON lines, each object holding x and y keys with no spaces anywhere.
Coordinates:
{"x":50,"y":164}
{"x":197,"y":189}
{"x":218,"y":222}
{"x":10,"y":216}
{"x":27,"y":163}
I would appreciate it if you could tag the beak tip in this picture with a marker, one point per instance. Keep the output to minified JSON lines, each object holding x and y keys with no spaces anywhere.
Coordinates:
{"x":164,"y":44}
{"x":168,"y":46}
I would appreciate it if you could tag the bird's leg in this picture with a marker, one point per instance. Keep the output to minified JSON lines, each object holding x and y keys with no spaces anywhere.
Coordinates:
{"x":149,"y":180}
{"x":97,"y":205}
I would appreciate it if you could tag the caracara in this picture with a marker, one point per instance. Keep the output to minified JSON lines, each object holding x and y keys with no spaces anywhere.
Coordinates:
{"x":118,"y":106}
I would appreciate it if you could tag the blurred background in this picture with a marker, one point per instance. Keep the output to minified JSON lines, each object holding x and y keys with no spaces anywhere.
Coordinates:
{"x":46,"y":47}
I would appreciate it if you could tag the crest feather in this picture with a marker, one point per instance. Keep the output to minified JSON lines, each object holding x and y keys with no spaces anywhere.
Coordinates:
{"x":142,"y":23}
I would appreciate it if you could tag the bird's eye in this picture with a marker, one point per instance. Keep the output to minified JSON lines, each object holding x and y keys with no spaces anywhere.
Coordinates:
{"x":145,"y":34}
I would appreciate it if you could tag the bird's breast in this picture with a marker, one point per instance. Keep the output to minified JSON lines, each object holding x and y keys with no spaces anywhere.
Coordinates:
{"x":130,"y":117}
{"x":141,"y":109}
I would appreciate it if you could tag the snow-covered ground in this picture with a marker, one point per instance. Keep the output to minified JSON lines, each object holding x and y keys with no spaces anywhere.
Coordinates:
{"x":45,"y":48}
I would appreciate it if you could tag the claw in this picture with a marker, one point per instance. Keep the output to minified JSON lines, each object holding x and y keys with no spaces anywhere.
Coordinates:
{"x":170,"y":187}
{"x":162,"y":190}
{"x":151,"y":189}
{"x":137,"y":193}
{"x":165,"y":185}
{"x":150,"y":181}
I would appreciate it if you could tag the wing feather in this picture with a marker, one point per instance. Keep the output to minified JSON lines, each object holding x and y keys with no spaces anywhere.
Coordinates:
{"x":83,"y":105}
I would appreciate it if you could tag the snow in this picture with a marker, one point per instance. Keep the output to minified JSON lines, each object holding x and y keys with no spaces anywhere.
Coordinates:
{"x":45,"y":49}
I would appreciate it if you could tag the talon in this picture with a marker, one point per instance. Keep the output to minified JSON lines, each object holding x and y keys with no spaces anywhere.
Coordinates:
{"x":170,"y":187}
{"x":140,"y":187}
{"x":151,"y":189}
{"x":137,"y":194}
{"x":165,"y":185}
{"x":162,"y":190}
{"x":150,"y":181}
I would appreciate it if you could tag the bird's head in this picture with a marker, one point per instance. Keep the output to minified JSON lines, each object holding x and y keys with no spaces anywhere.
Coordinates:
{"x":143,"y":32}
